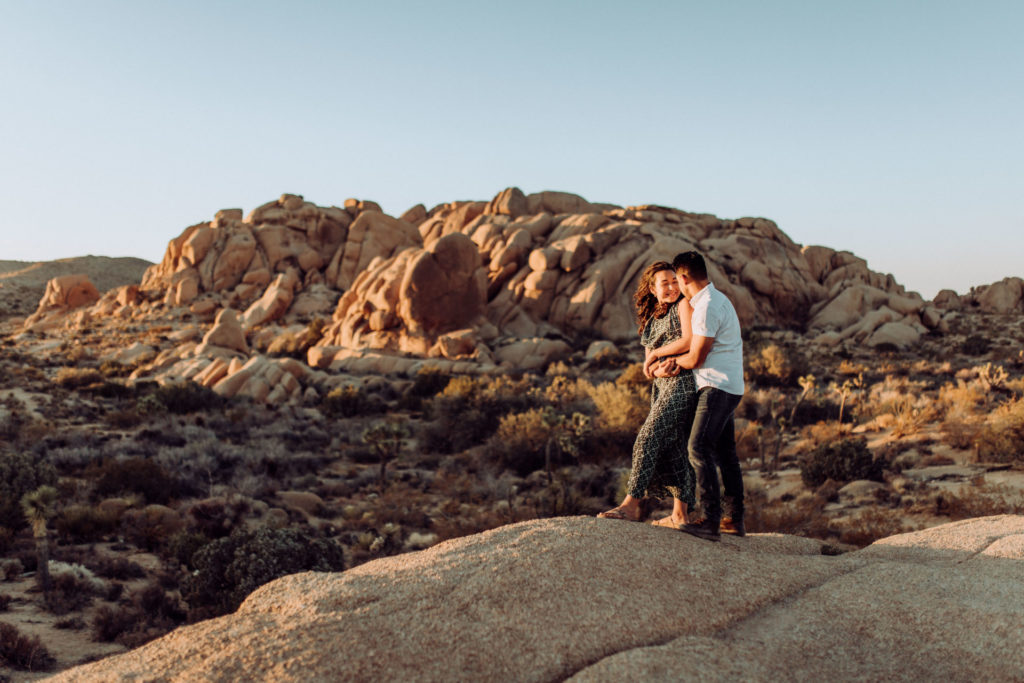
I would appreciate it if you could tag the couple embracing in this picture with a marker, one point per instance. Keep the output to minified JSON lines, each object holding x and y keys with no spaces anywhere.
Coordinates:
{"x":694,"y":355}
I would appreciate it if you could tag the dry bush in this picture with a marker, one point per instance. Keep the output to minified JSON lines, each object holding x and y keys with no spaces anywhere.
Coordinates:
{"x":848,"y":368}
{"x":19,"y":651}
{"x":961,"y":431}
{"x":983,"y":500}
{"x":620,"y":406}
{"x":519,"y":442}
{"x":469,"y":409}
{"x":134,"y":475}
{"x":76,"y":378}
{"x":775,"y":365}
{"x":1001,"y":437}
{"x":870,"y":525}
{"x":823,"y":432}
{"x":841,"y":461}
{"x":963,"y":397}
{"x":910,"y":415}
{"x":85,"y":523}
{"x":149,"y":614}
{"x":11,"y":569}
{"x":801,"y":517}
{"x":73,"y":588}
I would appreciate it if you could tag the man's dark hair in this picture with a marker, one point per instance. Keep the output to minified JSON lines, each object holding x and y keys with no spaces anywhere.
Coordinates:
{"x":691,"y":264}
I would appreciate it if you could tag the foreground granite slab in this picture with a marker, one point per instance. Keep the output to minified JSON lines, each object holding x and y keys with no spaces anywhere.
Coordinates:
{"x":604,"y":600}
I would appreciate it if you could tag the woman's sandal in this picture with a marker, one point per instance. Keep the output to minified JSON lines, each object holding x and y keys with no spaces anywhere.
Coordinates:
{"x":666,"y":522}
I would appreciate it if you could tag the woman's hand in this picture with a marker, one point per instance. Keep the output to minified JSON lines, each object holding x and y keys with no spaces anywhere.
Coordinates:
{"x":649,"y":363}
{"x":665,"y":368}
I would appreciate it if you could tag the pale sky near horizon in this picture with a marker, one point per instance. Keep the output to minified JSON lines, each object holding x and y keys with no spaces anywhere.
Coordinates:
{"x":890,"y":129}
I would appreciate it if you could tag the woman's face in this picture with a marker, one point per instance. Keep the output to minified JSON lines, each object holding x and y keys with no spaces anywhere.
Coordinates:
{"x":665,"y":287}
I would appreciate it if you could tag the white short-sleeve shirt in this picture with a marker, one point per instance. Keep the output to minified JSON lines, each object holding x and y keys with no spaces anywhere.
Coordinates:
{"x":714,"y":316}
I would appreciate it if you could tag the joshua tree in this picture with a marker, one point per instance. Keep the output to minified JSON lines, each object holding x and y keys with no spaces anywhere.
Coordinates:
{"x":565,"y":434}
{"x":386,"y":439}
{"x":38,"y":506}
{"x":807,"y":384}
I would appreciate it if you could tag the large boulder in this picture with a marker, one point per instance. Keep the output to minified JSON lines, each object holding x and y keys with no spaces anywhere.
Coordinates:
{"x":546,"y":599}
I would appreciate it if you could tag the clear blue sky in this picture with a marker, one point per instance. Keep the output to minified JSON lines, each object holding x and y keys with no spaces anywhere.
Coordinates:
{"x":892,"y":129}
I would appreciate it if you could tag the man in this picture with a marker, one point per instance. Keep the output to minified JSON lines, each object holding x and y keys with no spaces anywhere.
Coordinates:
{"x":716,"y":358}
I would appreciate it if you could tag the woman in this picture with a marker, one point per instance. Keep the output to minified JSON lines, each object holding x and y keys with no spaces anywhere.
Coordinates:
{"x":660,"y":463}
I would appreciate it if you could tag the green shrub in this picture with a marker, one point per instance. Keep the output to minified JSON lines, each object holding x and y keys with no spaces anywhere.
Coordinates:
{"x":975,"y":345}
{"x":135,"y":475}
{"x":469,"y":409}
{"x":19,"y":651}
{"x":20,"y":473}
{"x":841,"y":461}
{"x":184,"y":397}
{"x":229,"y":569}
{"x":349,"y":401}
{"x":84,"y":524}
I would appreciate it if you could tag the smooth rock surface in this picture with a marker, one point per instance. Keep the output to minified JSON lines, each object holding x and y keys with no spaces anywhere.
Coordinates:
{"x":558,"y":598}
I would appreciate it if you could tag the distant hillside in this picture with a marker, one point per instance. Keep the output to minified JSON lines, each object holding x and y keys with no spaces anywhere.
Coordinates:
{"x":22,"y":284}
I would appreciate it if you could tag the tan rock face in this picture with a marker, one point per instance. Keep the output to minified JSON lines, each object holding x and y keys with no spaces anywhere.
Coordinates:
{"x":444,"y":287}
{"x":502,"y":273}
{"x":533,"y":602}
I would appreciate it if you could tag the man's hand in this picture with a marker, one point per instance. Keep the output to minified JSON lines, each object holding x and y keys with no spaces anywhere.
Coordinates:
{"x":665,"y":368}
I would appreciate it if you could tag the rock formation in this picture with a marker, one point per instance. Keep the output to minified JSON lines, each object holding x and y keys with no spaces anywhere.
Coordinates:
{"x":478,"y":286}
{"x":566,"y":598}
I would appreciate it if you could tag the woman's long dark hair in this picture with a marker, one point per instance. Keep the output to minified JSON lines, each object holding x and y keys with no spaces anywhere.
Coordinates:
{"x":647,"y":305}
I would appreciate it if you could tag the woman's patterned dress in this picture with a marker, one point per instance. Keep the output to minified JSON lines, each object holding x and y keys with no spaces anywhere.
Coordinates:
{"x":661,"y":465}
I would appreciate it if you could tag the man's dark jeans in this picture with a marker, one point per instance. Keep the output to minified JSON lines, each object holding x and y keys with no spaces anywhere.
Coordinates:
{"x":713,"y":446}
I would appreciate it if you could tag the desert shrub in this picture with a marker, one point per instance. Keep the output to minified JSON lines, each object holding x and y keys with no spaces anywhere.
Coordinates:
{"x":11,"y":569}
{"x":229,"y":569}
{"x":151,"y":527}
{"x":429,"y":382}
{"x":85,"y":523}
{"x":76,"y":378}
{"x":349,"y":401}
{"x":181,"y":398}
{"x":633,"y":376}
{"x":123,"y":419}
{"x":19,"y":651}
{"x":870,"y":525}
{"x":120,"y":568}
{"x":5,"y":602}
{"x":523,"y":440}
{"x":620,"y":406}
{"x":217,"y":517}
{"x":801,"y":517}
{"x":149,"y":613}
{"x":469,"y":409}
{"x":960,"y":431}
{"x":183,"y":545}
{"x":113,"y":368}
{"x":775,"y":365}
{"x":975,"y":345}
{"x":842,"y":461}
{"x":20,"y":473}
{"x":519,"y":441}
{"x":70,"y":624}
{"x":73,"y":588}
{"x":6,"y":539}
{"x":135,"y":475}
{"x":1001,"y":437}
{"x":983,"y":500}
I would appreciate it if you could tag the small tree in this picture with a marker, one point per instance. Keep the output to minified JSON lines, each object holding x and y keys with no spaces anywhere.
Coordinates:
{"x":39,"y":509}
{"x":386,"y":439}
{"x":566,"y":434}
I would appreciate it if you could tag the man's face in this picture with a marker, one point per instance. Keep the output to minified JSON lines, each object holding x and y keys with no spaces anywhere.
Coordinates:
{"x":681,"y":280}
